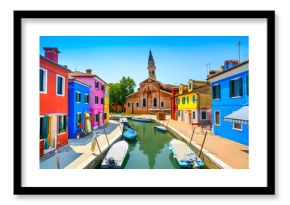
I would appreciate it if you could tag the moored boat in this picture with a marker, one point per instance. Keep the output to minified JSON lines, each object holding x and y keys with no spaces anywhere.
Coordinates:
{"x":129,"y":134}
{"x":184,"y":156}
{"x":161,"y":128}
{"x":115,"y":156}
{"x":139,"y":119}
{"x":123,"y":120}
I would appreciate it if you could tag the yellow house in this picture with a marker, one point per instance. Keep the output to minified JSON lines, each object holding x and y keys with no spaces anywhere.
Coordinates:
{"x":106,"y":104}
{"x":194,"y":102}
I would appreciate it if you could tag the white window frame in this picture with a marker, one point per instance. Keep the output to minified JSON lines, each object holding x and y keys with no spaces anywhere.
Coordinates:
{"x":80,"y":97}
{"x":45,"y":90}
{"x":63,"y":87}
{"x":86,"y":98}
{"x":215,"y":117}
{"x":81,"y":118}
{"x":237,"y":128}
{"x":205,"y":115}
{"x":237,"y":78}
{"x":66,"y":126}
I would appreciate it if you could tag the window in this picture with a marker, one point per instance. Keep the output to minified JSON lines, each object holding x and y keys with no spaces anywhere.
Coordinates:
{"x":193,"y":99}
{"x":216,"y":91}
{"x":105,"y":116}
{"x":87,"y":98}
{"x":178,"y":113}
{"x":187,"y":100}
{"x":183,"y":100}
{"x":203,"y":115}
{"x":178,"y":101}
{"x":237,"y":126}
{"x":247,"y":84}
{"x":144,"y":102}
{"x":42,"y":80}
{"x":193,"y":115}
{"x":96,"y":84}
{"x":44,"y":127}
{"x":62,"y":123}
{"x":96,"y":100}
{"x":236,"y":88}
{"x":189,"y":86}
{"x":102,"y":101}
{"x":128,"y":104}
{"x":97,"y":117}
{"x":154,"y":102}
{"x":137,"y":104}
{"x":103,"y":88}
{"x":79,"y":118}
{"x":59,"y":85}
{"x":161,"y":104}
{"x":78,"y":97}
{"x":217,"y":118}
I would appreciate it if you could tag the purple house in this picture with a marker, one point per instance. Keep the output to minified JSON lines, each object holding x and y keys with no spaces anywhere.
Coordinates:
{"x":96,"y":95}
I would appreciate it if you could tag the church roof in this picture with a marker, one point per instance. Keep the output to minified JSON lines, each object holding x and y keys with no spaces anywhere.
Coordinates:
{"x":150,"y":56}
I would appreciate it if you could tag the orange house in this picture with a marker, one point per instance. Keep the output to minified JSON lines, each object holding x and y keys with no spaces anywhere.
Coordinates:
{"x":53,"y":91}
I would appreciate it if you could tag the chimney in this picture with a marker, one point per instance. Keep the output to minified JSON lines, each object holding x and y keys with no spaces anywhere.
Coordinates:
{"x":230,"y":63}
{"x":89,"y":71}
{"x":51,"y":54}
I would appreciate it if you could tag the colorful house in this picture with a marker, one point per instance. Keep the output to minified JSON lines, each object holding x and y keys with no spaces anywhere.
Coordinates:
{"x":194,"y":103}
{"x":53,"y":85}
{"x":97,"y":90}
{"x":174,"y":104}
{"x":230,"y":101}
{"x":78,"y":107}
{"x":107,"y":104}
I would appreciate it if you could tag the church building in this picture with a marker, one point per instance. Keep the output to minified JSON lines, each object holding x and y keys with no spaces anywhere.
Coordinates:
{"x":152,"y":96}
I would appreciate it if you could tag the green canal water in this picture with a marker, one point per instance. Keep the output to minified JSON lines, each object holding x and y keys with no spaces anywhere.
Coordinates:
{"x":151,"y":149}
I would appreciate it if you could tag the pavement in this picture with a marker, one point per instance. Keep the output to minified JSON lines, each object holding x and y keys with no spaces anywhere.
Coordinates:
{"x":78,"y":154}
{"x":233,"y":154}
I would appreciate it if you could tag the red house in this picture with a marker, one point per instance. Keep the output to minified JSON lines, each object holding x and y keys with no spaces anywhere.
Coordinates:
{"x":174,"y":106}
{"x":53,"y":91}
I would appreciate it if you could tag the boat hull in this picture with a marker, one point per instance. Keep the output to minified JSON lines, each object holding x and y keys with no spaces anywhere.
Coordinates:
{"x":140,"y":119}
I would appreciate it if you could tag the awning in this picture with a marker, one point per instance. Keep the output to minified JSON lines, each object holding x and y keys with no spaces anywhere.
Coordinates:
{"x":239,"y":116}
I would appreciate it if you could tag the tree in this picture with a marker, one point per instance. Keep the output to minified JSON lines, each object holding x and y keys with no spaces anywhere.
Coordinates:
{"x":119,"y":91}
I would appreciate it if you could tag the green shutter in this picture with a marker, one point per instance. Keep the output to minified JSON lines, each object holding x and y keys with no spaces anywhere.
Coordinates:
{"x":247,"y":81}
{"x":241,"y":86}
{"x":218,"y":91}
{"x":231,"y":88}
{"x":41,"y":87}
{"x":44,"y":127}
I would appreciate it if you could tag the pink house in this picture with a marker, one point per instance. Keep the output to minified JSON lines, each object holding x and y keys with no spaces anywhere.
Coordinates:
{"x":96,"y":98}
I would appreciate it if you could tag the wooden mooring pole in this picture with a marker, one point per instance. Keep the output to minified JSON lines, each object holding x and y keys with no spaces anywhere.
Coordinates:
{"x":191,"y":136}
{"x":202,"y":144}
{"x":106,"y":136}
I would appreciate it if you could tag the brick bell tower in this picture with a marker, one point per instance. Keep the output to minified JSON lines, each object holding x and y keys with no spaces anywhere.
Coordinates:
{"x":151,"y":66}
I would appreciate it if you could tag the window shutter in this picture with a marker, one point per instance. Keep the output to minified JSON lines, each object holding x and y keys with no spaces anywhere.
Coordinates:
{"x":241,"y":86}
{"x":219,"y":91}
{"x":41,"y":87}
{"x":44,"y":127}
{"x":231,"y":88}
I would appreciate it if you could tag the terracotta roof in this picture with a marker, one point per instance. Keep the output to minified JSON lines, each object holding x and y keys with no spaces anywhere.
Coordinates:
{"x":224,"y":71}
{"x":75,"y":80}
{"x":200,"y":89}
{"x":81,"y":74}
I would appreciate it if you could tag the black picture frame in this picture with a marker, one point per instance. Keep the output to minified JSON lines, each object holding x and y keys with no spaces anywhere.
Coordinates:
{"x":268,"y":190}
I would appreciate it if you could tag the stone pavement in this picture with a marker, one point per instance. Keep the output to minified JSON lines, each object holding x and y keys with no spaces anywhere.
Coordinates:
{"x":233,"y":154}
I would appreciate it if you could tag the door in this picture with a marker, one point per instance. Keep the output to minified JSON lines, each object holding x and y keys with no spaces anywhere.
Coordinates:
{"x":52,"y":136}
{"x":189,"y":117}
{"x":100,"y":119}
{"x":194,"y":117}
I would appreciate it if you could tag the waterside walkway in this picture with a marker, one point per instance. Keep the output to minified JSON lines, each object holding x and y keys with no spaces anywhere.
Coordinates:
{"x":226,"y":153}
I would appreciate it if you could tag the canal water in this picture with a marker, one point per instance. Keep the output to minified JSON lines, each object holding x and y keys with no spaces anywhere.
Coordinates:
{"x":151,"y":149}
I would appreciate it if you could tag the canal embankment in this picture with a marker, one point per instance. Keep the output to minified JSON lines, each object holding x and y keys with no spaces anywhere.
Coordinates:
{"x":217,"y":152}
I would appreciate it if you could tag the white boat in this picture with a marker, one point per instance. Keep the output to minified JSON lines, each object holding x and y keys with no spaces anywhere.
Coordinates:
{"x":162,"y":128}
{"x":123,"y":120}
{"x":115,"y":156}
{"x":185,"y":156}
{"x":139,"y":119}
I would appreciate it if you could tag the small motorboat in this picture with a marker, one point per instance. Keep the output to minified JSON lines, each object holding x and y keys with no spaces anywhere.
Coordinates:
{"x":129,"y":134}
{"x":139,"y":119}
{"x":184,"y":156}
{"x":123,"y":120}
{"x":161,"y":128}
{"x":115,"y":156}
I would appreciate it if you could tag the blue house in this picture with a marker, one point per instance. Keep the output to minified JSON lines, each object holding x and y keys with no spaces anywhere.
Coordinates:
{"x":230,"y":102}
{"x":78,"y":105}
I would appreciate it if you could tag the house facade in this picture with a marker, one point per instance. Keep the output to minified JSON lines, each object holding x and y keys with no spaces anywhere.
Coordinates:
{"x":152,"y":96}
{"x":53,"y":96}
{"x":106,"y":104}
{"x":78,"y":107}
{"x":97,"y":90}
{"x":230,"y":102}
{"x":194,"y":103}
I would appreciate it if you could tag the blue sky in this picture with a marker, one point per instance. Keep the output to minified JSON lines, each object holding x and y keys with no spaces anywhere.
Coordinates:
{"x":177,"y":58}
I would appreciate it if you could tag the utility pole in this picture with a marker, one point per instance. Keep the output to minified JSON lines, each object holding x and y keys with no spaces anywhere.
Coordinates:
{"x":239,"y":46}
{"x":207,"y":68}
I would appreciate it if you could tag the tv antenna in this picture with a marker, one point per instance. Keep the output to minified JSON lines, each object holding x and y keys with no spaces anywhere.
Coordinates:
{"x":239,"y":43}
